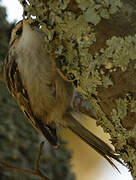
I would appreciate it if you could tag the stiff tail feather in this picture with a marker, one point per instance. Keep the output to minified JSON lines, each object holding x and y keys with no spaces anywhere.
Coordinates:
{"x":96,"y":143}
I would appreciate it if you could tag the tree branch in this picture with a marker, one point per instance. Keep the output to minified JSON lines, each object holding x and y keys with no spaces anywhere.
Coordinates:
{"x":25,"y":171}
{"x":35,"y":172}
{"x":37,"y":161}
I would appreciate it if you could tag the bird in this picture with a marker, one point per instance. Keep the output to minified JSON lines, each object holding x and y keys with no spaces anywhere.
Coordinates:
{"x":45,"y":97}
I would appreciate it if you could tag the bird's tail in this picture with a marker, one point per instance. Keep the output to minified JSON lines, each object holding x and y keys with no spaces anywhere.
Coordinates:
{"x":96,"y":143}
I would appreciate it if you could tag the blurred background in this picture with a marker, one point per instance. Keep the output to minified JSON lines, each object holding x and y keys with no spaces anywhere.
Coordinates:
{"x":19,"y":142}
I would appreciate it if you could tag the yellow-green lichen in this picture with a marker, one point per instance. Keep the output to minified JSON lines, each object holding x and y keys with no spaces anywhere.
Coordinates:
{"x":118,"y":54}
{"x":122,"y":107}
{"x":121,"y":50}
{"x":133,"y":105}
{"x":90,"y":83}
{"x":106,"y":80}
{"x":94,"y":10}
{"x":58,"y":5}
{"x":107,"y":125}
{"x":130,"y":156}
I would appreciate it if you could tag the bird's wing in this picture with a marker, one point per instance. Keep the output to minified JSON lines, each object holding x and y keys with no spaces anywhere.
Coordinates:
{"x":19,"y":92}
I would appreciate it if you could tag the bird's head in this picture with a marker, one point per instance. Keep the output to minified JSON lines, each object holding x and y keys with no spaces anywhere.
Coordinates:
{"x":27,"y":32}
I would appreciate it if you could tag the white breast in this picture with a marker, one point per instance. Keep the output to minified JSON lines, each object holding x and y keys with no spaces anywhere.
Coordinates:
{"x":36,"y":70}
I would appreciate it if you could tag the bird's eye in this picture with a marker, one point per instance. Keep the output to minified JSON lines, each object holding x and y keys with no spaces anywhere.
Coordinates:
{"x":19,"y":31}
